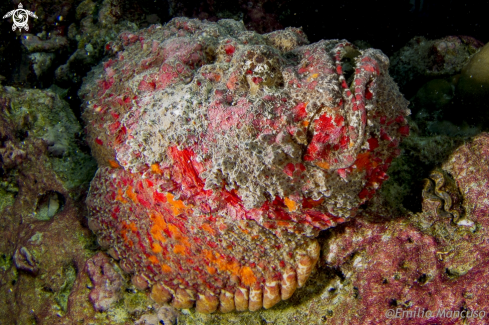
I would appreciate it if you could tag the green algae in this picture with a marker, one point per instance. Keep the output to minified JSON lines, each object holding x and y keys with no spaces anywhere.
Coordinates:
{"x":75,"y":169}
{"x":136,"y":302}
{"x":36,"y":238}
{"x":8,"y":191}
{"x":6,"y":261}
{"x":61,"y":297}
{"x":131,"y":305}
{"x":43,"y":115}
{"x":6,"y":198}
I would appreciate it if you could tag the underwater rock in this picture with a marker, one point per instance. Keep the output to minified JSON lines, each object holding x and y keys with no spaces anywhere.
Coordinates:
{"x":473,"y":84}
{"x":422,"y":59}
{"x":257,"y":15}
{"x":165,"y":315}
{"x":97,"y":24}
{"x":11,"y":154}
{"x":434,"y":95}
{"x":107,"y":283}
{"x":25,"y":261}
{"x":35,"y":44}
{"x":168,"y":315}
{"x":41,"y":62}
{"x":433,"y":260}
{"x":44,"y":178}
{"x":48,"y":205}
{"x":233,"y":150}
{"x":38,"y":115}
{"x":41,"y":51}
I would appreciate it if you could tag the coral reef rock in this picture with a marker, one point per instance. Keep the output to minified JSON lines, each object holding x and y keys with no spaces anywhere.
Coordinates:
{"x":473,"y":85}
{"x":435,"y":260}
{"x":222,"y":153}
{"x":106,"y":281}
{"x":40,"y":118}
{"x":422,"y":59}
{"x":44,"y":179}
{"x":96,"y":25}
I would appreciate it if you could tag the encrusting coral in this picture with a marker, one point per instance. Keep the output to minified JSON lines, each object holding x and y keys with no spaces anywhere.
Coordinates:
{"x":222,"y":153}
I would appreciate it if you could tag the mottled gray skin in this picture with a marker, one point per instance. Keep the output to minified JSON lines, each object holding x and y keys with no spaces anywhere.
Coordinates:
{"x":243,"y":132}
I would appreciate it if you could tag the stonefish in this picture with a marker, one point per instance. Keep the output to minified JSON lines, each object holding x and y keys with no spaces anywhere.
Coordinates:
{"x":222,"y":153}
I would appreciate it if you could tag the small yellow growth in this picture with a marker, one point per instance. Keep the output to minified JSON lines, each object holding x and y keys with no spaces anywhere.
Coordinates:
{"x":221,"y":263}
{"x":255,"y":237}
{"x":305,"y":123}
{"x":177,"y":207}
{"x":179,"y":249}
{"x":323,"y":164}
{"x":290,"y":204}
{"x":230,"y":266}
{"x":155,"y":168}
{"x":119,"y":197}
{"x":208,"y":254}
{"x":211,"y":270}
{"x":247,"y":276}
{"x":153,"y":259}
{"x":159,"y":236}
{"x":352,"y":144}
{"x":158,"y":219}
{"x":130,"y":194}
{"x":282,"y":223}
{"x":159,"y":225}
{"x":156,"y":248}
{"x":114,"y":164}
{"x":208,"y":228}
{"x":133,"y":227}
{"x":177,"y":235}
{"x":246,"y":231}
{"x":165,"y":268}
{"x":313,"y":76}
{"x":124,"y":235}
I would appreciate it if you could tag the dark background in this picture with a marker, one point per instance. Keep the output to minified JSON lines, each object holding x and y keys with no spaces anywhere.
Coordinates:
{"x":384,"y":24}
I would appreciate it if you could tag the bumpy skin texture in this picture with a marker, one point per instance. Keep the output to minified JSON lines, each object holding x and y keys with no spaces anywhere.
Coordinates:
{"x":222,"y":154}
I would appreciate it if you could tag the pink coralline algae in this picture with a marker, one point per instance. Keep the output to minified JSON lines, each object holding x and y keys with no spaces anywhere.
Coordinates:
{"x":107,"y":283}
{"x":222,"y":154}
{"x":430,"y":261}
